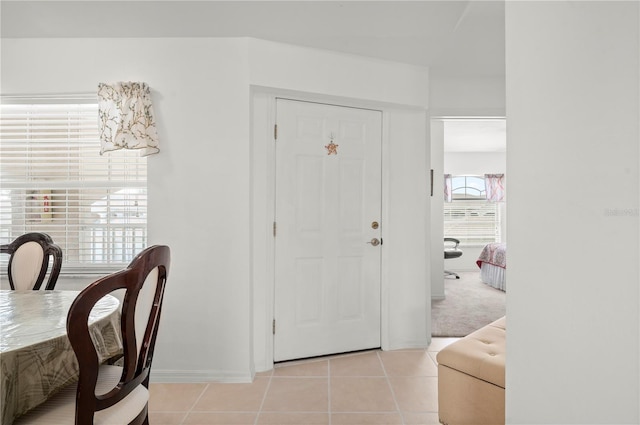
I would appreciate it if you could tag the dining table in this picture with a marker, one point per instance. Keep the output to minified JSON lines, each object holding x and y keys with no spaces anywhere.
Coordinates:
{"x":36,"y":357}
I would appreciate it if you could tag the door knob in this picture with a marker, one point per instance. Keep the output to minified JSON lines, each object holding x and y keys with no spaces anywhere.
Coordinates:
{"x":374,"y":242}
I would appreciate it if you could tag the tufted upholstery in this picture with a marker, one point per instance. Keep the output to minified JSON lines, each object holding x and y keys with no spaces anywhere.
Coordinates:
{"x":471,"y":378}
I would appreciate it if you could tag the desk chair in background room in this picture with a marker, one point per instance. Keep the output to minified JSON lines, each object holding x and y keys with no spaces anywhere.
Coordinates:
{"x":29,"y":261}
{"x":451,"y":251}
{"x":108,"y":394}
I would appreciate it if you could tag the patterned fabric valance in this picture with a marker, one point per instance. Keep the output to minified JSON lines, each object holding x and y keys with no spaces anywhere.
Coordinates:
{"x":494,"y":184}
{"x":126,"y":118}
{"x":447,"y":188}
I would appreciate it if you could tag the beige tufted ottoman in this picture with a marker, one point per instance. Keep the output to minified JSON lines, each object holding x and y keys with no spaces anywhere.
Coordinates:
{"x":471,"y":378}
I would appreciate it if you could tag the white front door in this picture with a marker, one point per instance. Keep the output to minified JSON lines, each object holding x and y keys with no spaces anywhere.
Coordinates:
{"x":328,"y":228}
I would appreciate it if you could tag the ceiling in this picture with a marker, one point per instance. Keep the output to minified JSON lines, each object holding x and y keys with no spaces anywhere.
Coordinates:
{"x":453,"y":38}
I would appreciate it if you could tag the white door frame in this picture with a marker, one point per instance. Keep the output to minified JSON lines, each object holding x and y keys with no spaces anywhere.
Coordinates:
{"x":263,"y":116}
{"x":327,"y":326}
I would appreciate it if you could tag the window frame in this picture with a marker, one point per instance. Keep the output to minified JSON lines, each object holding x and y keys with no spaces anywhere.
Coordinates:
{"x":471,"y":206}
{"x":118,"y":164}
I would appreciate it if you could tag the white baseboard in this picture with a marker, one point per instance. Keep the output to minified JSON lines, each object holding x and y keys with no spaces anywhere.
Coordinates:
{"x":199,"y":376}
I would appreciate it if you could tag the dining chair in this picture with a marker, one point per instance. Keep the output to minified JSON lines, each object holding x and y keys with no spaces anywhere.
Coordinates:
{"x":112,"y":394}
{"x":29,"y":260}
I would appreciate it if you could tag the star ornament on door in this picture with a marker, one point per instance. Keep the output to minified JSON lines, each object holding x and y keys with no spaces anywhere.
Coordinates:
{"x":332,"y":148}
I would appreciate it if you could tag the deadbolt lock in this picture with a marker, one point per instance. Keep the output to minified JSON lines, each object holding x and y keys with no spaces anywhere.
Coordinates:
{"x":374,"y":225}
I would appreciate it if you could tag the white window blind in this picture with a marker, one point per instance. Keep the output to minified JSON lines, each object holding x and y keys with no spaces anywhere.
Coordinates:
{"x":472,"y":222}
{"x":53,"y":180}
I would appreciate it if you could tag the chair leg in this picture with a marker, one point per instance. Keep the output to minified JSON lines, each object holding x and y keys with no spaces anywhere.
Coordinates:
{"x":448,"y":273}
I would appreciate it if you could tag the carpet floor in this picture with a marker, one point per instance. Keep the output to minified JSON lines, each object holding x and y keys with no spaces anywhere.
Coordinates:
{"x":469,"y":304}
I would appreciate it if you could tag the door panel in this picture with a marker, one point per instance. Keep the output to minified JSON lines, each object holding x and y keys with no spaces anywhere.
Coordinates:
{"x":327,"y":277}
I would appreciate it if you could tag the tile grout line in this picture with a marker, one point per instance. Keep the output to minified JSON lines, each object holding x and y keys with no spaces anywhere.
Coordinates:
{"x":206,"y":387}
{"x":393,"y":393}
{"x":329,"y":389}
{"x":264,"y":398}
{"x":404,"y":417}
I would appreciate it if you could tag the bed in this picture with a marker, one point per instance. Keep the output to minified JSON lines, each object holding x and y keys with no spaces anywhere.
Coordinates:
{"x":493,"y":265}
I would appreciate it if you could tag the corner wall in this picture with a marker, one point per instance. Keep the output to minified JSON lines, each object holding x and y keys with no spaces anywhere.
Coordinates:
{"x":573,"y":134}
{"x":200,"y":189}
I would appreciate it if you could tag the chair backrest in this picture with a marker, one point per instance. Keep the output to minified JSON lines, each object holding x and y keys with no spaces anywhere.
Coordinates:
{"x":30,"y":256}
{"x":451,"y":243}
{"x":451,"y":249}
{"x":143,"y":282}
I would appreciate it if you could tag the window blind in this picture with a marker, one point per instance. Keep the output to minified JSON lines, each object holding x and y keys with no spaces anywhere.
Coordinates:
{"x":472,"y":222}
{"x":53,"y":180}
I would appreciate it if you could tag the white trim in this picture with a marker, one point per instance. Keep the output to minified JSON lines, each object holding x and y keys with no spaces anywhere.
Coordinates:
{"x":410,"y":345}
{"x":262,"y":218}
{"x":199,"y":376}
{"x":466,"y":113}
{"x":50,"y":98}
{"x":385,"y":313}
{"x":453,"y":118}
{"x":264,"y":224}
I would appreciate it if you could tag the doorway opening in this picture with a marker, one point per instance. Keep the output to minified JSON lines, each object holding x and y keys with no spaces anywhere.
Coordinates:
{"x":471,"y":159}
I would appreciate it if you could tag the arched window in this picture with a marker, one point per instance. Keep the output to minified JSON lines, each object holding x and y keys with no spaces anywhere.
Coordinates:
{"x":468,"y":188}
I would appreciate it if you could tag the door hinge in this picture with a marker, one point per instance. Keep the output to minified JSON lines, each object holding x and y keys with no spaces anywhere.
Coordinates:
{"x":273,"y":326}
{"x":274,"y":229}
{"x":275,"y":131}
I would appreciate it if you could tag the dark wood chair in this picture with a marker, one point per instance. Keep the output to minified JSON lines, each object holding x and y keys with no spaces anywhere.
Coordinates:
{"x":110,"y":394}
{"x":30,"y":257}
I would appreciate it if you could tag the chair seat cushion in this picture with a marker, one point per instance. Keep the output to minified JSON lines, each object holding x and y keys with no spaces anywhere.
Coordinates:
{"x":60,"y":409}
{"x":452,"y":253}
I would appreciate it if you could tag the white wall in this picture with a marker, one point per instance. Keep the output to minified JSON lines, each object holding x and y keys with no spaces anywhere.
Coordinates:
{"x":572,"y":140}
{"x":201,"y":190}
{"x":474,"y":163}
{"x":467,"y":96}
{"x":327,"y":73}
{"x":406,"y":280}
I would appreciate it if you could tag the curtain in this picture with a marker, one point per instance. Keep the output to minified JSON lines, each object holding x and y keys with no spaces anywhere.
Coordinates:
{"x":494,"y":184}
{"x":447,"y":188}
{"x":126,"y":118}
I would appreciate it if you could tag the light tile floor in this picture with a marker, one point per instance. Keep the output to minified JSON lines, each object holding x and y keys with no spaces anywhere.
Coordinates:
{"x":373,"y":387}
